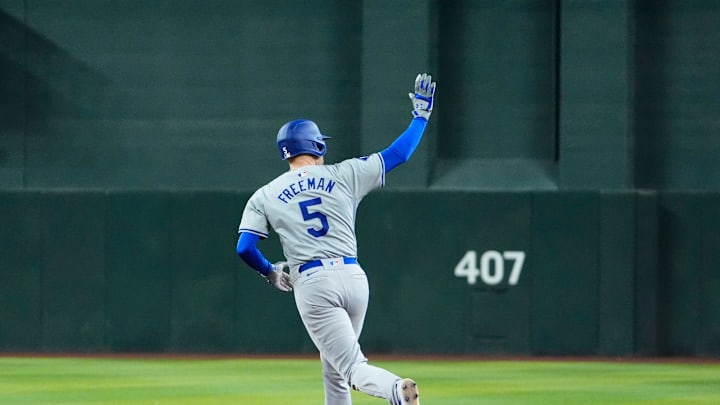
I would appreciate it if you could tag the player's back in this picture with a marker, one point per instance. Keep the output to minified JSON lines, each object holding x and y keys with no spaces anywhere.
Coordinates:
{"x":313,"y":208}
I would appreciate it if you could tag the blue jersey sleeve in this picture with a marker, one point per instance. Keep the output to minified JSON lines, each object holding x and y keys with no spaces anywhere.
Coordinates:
{"x":248,"y":251}
{"x":405,"y":144}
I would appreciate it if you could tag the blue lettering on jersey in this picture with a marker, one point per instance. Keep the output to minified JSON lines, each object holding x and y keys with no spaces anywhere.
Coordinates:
{"x":294,"y":189}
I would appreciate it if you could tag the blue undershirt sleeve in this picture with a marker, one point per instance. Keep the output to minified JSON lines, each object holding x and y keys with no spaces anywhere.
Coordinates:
{"x":248,"y":251}
{"x":405,"y":144}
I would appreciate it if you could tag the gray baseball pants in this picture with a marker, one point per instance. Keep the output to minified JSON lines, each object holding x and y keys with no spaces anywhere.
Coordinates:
{"x":332,"y":301}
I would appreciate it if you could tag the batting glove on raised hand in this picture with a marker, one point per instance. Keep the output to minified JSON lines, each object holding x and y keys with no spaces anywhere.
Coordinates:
{"x":279,"y":277}
{"x":422,"y":99}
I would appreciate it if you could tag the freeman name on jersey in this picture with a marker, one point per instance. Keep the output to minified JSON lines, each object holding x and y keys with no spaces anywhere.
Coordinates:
{"x":310,"y":183}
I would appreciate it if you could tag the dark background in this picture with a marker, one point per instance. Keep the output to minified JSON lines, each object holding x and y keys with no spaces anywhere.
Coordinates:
{"x":585,"y":134}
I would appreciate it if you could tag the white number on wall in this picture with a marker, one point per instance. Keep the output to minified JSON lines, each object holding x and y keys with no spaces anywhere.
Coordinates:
{"x":492,"y":266}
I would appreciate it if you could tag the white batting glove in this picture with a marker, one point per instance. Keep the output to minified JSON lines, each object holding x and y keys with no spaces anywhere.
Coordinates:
{"x":279,"y":277}
{"x":422,"y":99}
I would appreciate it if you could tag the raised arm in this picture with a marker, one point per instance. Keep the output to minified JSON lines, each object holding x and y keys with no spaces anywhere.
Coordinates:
{"x":404,"y":146}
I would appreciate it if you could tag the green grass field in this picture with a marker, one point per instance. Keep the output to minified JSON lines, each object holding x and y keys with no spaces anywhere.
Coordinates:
{"x":297,"y":381}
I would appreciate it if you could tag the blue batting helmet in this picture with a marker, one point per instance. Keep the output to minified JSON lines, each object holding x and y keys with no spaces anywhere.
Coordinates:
{"x":300,"y":137}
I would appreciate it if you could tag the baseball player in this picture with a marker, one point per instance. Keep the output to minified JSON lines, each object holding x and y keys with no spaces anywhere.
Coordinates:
{"x":312,"y":208}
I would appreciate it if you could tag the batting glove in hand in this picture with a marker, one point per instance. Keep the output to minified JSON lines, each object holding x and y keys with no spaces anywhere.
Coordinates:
{"x":422,"y":99}
{"x":279,"y":277}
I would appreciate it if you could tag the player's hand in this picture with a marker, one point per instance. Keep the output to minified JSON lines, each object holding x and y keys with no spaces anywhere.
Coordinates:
{"x":279,"y":277}
{"x":422,"y":99}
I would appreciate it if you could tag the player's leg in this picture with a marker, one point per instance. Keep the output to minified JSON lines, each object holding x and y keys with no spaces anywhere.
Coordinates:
{"x":329,"y":329}
{"x":358,"y":296}
{"x":320,"y":301}
{"x":337,"y":390}
{"x":364,"y":374}
{"x":317,"y":302}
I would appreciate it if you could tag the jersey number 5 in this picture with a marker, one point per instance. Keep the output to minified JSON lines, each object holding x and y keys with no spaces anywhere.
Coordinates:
{"x":308,"y":216}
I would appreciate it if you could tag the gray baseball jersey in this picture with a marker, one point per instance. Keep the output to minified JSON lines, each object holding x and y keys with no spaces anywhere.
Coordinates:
{"x":313,"y":208}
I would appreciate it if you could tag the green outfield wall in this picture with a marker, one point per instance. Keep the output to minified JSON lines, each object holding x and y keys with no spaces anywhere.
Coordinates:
{"x":565,"y":198}
{"x":546,"y":273}
{"x":532,"y":94}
